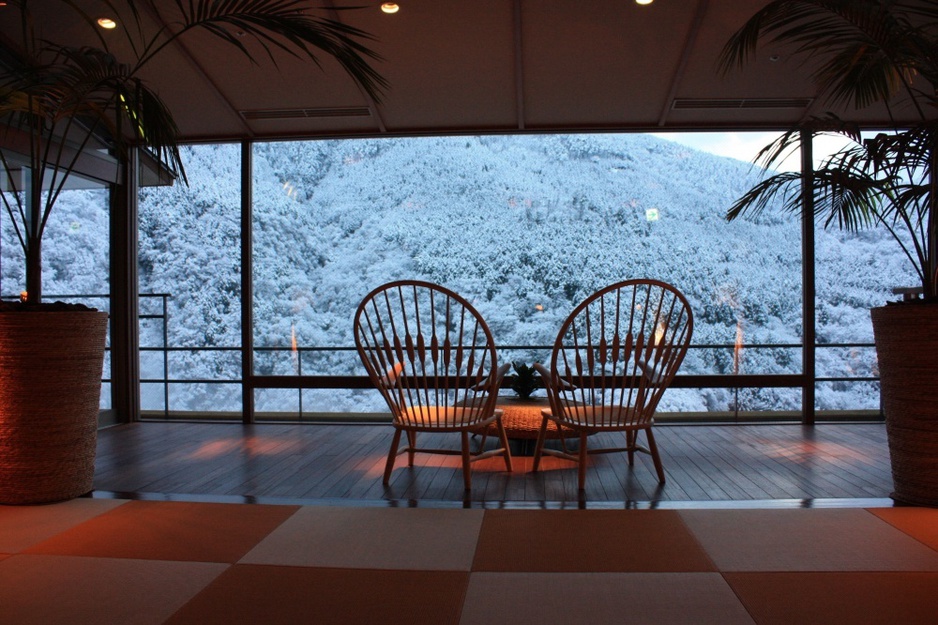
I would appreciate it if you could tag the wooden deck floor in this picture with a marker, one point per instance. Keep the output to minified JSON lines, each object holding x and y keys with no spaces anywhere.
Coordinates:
{"x":304,"y":462}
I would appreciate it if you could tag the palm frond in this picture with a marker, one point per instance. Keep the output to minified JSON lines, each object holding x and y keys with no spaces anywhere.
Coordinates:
{"x":791,"y":141}
{"x":843,"y":196}
{"x":284,"y":26}
{"x":785,"y":186}
{"x":866,"y":50}
{"x":91,"y":90}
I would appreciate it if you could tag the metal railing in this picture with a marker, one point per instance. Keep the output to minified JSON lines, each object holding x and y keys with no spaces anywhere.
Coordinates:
{"x":300,"y":381}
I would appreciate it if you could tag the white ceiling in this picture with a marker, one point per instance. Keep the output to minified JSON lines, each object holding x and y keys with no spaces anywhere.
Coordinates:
{"x":490,"y":66}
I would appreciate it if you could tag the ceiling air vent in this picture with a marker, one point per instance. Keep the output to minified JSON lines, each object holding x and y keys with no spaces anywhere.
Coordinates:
{"x":339,"y":111}
{"x":740,"y":103}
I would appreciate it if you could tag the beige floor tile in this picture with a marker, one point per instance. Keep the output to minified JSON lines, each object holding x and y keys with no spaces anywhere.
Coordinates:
{"x":806,"y":540}
{"x":54,"y":590}
{"x":24,"y":526}
{"x":906,"y":598}
{"x":377,"y":538}
{"x":920,"y":523}
{"x":598,"y":598}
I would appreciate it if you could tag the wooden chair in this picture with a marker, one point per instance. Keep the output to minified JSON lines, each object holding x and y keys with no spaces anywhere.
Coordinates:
{"x":614,"y":357}
{"x":432,"y":357}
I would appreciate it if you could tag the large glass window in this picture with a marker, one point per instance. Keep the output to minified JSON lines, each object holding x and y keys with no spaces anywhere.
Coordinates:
{"x":525,"y":227}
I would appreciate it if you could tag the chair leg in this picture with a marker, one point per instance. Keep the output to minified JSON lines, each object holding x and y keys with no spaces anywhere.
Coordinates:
{"x":391,"y":456}
{"x":411,"y":446}
{"x":563,"y":441}
{"x":581,"y":475}
{"x":503,"y":437}
{"x":653,"y":448}
{"x":466,"y":471}
{"x":630,"y":444}
{"x":539,"y":446}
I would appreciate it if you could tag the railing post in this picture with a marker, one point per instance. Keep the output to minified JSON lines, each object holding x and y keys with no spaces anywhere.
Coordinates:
{"x":165,"y":297}
{"x":299,"y":372}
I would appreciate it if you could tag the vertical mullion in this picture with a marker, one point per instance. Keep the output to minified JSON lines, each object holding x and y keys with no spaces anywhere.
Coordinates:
{"x":247,"y":283}
{"x":125,"y":298}
{"x":809,"y":316}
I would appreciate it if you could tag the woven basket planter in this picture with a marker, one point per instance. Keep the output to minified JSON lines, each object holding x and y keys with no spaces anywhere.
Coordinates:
{"x":907,"y":349}
{"x":50,"y":389}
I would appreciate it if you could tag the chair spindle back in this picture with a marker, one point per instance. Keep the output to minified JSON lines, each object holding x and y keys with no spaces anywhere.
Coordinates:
{"x":617,"y":353}
{"x":429,"y":353}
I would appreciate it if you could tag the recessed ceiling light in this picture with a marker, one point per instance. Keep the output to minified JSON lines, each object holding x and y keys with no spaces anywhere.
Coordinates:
{"x":390,"y":7}
{"x":644,"y":1}
{"x":107,"y":23}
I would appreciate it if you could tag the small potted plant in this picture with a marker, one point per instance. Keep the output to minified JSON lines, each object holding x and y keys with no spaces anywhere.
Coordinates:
{"x":526,"y":380}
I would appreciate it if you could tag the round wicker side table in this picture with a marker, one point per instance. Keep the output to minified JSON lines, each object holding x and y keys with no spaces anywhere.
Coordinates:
{"x":522,"y":420}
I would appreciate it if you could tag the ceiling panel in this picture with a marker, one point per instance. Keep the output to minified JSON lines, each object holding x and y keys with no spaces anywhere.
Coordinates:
{"x":488,"y":66}
{"x":604,"y":63}
{"x":450,"y":64}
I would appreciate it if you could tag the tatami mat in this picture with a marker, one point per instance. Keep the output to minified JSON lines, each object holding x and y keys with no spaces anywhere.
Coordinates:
{"x":24,"y":526}
{"x":373,"y":538}
{"x":102,"y":562}
{"x":614,"y":598}
{"x":588,"y":540}
{"x":893,"y":598}
{"x":201,"y":532}
{"x":278,"y":595}
{"x":806,"y":540}
{"x":49,"y":590}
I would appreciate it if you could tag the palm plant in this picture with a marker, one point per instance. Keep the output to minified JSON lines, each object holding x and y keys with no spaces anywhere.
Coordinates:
{"x":866,"y":52}
{"x":525,"y":382}
{"x":59,"y":101}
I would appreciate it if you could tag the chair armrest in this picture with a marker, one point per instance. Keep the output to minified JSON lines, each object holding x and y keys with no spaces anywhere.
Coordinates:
{"x":389,"y":379}
{"x":544,"y":372}
{"x":499,"y":376}
{"x":649,"y":372}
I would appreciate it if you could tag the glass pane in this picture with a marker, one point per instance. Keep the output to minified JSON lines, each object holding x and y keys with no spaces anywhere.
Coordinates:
{"x":849,"y":399}
{"x":188,"y":399}
{"x":75,"y":255}
{"x":320,"y":405}
{"x":190,"y":285}
{"x":855,"y":272}
{"x":325,"y":405}
{"x":277,"y":404}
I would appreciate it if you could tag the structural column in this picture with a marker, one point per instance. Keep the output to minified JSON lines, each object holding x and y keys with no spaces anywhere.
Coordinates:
{"x":247,"y":284}
{"x":125,"y":301}
{"x":809,"y":317}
